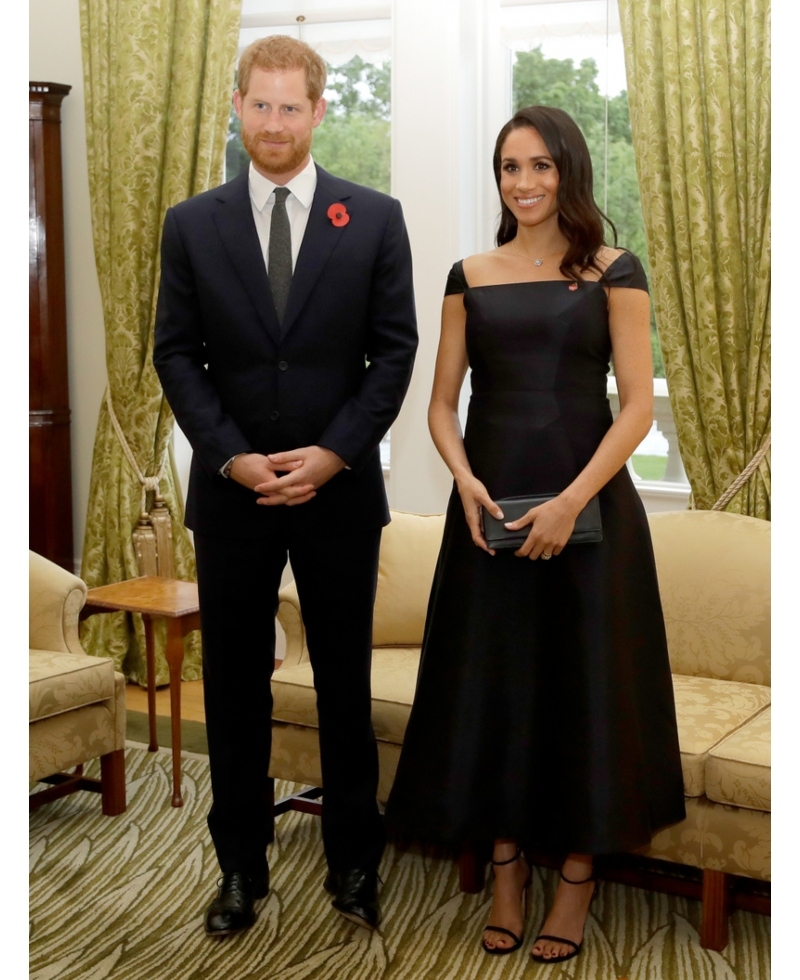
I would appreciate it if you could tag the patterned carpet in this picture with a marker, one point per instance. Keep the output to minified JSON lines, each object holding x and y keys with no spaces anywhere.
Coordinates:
{"x":123,"y":898}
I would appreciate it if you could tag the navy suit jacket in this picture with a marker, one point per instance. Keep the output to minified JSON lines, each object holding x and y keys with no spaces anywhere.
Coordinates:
{"x":333,"y":374}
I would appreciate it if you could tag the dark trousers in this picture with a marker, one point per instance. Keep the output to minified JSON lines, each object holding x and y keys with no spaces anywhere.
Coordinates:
{"x":238,"y":582}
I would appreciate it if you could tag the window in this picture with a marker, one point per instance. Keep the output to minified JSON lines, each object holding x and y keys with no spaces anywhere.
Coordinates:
{"x":569,"y":54}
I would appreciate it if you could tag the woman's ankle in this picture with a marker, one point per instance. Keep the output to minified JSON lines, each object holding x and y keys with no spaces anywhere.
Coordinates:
{"x":578,"y":868}
{"x":505,"y":851}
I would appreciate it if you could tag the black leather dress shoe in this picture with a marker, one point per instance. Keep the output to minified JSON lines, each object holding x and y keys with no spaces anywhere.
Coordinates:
{"x":232,"y":910}
{"x":355,"y":895}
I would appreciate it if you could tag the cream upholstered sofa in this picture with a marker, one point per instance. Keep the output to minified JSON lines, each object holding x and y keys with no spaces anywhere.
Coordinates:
{"x":714,"y":582}
{"x":76,"y":702}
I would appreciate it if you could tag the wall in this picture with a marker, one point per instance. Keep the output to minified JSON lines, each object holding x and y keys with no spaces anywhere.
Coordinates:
{"x":442,"y":114}
{"x":55,"y":56}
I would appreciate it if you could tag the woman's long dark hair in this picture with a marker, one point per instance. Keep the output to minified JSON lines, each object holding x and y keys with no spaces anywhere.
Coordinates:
{"x":579,"y":218}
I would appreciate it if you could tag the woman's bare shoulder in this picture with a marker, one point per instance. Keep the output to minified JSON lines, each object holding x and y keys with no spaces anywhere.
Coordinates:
{"x":483,"y":266}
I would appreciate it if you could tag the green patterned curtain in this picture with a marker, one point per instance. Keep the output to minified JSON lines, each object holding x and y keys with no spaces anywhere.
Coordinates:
{"x":158,"y":76}
{"x":699,"y":91}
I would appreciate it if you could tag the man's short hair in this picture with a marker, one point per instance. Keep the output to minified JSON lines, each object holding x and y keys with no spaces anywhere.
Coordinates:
{"x":281,"y":53}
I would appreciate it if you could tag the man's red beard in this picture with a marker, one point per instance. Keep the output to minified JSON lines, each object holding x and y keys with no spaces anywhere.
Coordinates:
{"x":279,"y":161}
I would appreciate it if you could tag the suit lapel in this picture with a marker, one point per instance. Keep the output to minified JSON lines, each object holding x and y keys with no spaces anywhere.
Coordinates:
{"x":320,"y":239}
{"x":234,"y":221}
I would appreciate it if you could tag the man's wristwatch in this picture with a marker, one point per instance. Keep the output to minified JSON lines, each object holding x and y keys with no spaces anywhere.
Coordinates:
{"x":226,"y":469}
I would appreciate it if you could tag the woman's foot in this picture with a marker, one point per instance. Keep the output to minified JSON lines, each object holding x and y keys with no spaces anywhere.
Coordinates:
{"x":511,"y":877}
{"x":561,"y":934}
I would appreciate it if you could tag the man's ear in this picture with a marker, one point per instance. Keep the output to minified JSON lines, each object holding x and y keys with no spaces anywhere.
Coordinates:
{"x":237,"y":103}
{"x":319,"y":112}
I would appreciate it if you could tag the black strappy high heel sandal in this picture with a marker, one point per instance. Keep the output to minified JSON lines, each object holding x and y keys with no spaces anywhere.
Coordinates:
{"x":503,"y":950}
{"x":576,"y":947}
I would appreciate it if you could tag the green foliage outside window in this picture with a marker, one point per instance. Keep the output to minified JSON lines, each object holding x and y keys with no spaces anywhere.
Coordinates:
{"x":354,"y":140}
{"x":551,"y":81}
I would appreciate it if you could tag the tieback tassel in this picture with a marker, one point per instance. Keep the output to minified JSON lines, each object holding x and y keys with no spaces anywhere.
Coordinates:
{"x":162,"y":526}
{"x":144,"y":543}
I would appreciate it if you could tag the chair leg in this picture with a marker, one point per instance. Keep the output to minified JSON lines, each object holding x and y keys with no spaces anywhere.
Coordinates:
{"x":714,"y":924}
{"x":471,"y":871}
{"x":112,"y":778}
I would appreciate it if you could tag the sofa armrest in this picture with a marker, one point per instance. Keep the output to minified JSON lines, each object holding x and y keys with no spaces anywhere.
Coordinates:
{"x":292,"y":623}
{"x":55,"y":598}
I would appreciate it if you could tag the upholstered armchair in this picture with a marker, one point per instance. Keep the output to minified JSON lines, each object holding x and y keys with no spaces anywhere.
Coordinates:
{"x":76,"y":702}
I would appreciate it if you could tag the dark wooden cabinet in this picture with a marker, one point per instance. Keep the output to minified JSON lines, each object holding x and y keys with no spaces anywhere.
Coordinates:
{"x":50,"y":487}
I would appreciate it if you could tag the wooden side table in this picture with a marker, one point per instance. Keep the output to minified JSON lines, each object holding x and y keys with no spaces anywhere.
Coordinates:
{"x":152,"y":596}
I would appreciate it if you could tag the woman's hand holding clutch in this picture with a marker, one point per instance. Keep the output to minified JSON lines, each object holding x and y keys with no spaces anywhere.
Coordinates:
{"x":551,"y":526}
{"x":474,"y":496}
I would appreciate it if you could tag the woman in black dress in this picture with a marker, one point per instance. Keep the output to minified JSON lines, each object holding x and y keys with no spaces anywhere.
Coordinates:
{"x":544,"y":713}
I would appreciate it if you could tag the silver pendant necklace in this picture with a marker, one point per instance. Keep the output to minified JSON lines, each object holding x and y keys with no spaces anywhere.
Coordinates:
{"x":536,"y":262}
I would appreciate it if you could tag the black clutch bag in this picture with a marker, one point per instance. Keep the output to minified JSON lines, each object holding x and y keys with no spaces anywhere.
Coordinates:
{"x":588,"y":526}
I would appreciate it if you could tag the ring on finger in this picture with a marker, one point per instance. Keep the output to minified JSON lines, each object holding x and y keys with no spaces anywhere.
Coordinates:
{"x":545,"y":556}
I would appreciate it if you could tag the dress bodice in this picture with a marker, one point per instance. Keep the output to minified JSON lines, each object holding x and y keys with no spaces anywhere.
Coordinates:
{"x":546,"y":335}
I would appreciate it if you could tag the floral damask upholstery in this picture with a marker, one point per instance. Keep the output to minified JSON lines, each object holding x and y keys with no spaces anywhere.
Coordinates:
{"x":62,"y":741}
{"x":708,"y":711}
{"x":714,"y":580}
{"x":409,"y":550}
{"x":76,"y":702}
{"x":720,"y":838}
{"x":61,"y":682}
{"x":713,"y":571}
{"x":739,"y":770}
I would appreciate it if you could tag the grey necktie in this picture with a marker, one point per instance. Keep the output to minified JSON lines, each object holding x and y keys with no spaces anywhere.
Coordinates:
{"x":279,"y":262}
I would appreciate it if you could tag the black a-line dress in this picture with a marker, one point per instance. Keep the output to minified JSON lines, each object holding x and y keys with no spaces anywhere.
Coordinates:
{"x":544,"y":709}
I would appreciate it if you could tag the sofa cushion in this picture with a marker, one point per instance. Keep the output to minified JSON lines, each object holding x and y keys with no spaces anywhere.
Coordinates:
{"x":60,"y":682}
{"x":714,"y":582}
{"x":394,"y":679}
{"x":709,"y":711}
{"x":739,"y":769}
{"x":409,"y":549}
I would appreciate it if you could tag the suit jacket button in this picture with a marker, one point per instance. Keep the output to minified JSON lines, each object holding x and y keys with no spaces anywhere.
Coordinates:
{"x":274,"y":415}
{"x":282,"y":365}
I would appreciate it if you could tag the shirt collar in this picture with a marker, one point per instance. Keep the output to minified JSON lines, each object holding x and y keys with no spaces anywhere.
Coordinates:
{"x":302,"y":185}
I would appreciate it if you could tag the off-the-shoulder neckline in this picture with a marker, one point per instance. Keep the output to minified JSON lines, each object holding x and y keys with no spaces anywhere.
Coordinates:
{"x":532,"y":282}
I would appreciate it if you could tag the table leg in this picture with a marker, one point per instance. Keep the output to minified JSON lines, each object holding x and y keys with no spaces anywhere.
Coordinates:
{"x":150,"y":655}
{"x":174,"y":654}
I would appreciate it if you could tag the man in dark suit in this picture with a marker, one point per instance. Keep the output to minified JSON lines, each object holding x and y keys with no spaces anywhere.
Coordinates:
{"x":285,"y":339}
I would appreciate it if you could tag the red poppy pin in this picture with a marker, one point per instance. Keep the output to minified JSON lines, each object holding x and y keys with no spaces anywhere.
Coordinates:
{"x":338,"y":214}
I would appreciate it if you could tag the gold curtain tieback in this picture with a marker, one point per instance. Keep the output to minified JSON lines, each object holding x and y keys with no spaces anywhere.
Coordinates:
{"x":152,"y":536}
{"x":745,"y":475}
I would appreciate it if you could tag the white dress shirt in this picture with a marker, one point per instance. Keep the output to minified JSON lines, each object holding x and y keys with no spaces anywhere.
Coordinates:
{"x":298,"y":206}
